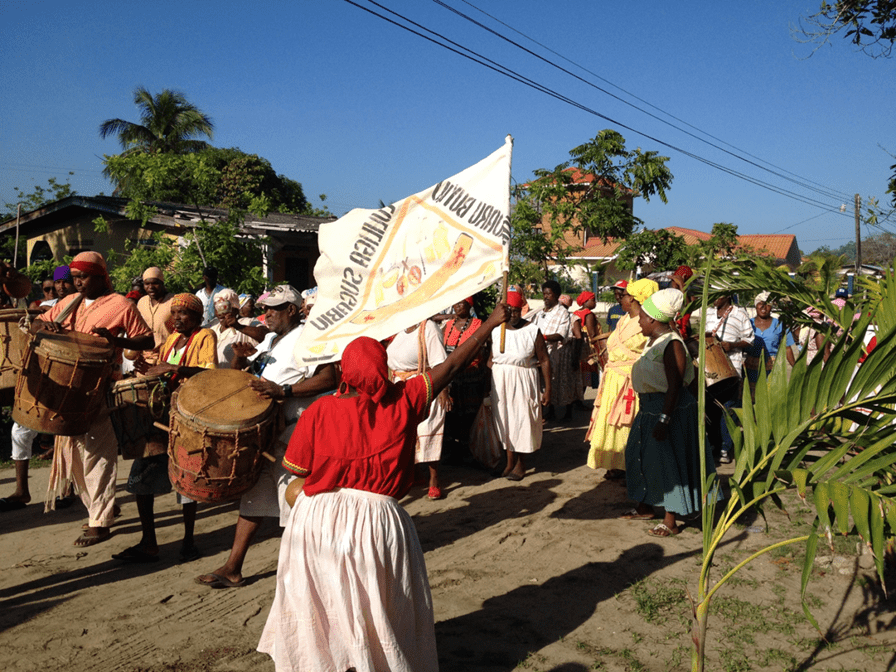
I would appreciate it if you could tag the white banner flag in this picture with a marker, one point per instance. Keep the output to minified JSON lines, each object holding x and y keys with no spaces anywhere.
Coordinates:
{"x":381,"y":271}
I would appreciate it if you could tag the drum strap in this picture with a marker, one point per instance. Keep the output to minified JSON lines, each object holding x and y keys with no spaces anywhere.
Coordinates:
{"x":69,"y":309}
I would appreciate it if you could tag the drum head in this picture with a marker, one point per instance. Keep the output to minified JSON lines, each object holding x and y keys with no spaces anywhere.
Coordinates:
{"x":222,"y":400}
{"x":73,"y":345}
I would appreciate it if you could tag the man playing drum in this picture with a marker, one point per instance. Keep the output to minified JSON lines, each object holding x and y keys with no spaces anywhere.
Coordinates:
{"x":279,"y":378}
{"x":186,"y":352}
{"x":91,"y":459}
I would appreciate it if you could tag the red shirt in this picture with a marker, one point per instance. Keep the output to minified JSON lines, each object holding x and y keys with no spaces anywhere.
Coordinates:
{"x":337,"y":443}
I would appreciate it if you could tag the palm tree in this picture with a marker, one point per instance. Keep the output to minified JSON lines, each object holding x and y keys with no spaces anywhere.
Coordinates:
{"x":169,"y":123}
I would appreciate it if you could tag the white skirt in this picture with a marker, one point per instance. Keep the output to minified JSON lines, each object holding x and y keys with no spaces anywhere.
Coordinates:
{"x":516,"y":405}
{"x":352,"y":590}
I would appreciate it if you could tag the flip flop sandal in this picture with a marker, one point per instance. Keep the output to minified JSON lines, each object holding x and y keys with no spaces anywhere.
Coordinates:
{"x":662,"y":530}
{"x":218,"y":581}
{"x":11,"y":504}
{"x":434,"y":493}
{"x":513,"y":477}
{"x":632,"y":514}
{"x":86,"y":540}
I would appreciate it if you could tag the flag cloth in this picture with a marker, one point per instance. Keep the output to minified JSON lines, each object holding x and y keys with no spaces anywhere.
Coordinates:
{"x":381,"y":271}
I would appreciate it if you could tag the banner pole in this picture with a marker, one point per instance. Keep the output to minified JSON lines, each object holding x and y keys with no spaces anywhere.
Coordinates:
{"x":509,"y":139}
{"x":504,"y":299}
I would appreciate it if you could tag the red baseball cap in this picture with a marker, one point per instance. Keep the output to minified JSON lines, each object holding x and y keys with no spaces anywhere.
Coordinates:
{"x":622,"y":284}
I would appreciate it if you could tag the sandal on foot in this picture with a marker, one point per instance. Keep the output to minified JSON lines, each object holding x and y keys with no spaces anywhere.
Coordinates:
{"x":434,"y":493}
{"x":92,"y":539}
{"x":662,"y":530}
{"x":135,"y":555}
{"x":513,"y":477}
{"x":11,"y":504}
{"x":634,"y":514}
{"x":218,"y":581}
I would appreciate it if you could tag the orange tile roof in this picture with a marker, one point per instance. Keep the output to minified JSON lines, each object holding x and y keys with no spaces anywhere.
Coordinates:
{"x":580,"y":177}
{"x":777,"y":245}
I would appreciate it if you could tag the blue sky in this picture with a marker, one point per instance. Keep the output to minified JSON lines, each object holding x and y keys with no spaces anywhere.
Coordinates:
{"x":362,"y":111}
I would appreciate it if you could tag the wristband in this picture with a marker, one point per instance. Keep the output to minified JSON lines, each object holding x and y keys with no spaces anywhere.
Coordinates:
{"x":473,"y":336}
{"x":287,"y":391}
{"x":664,"y":419}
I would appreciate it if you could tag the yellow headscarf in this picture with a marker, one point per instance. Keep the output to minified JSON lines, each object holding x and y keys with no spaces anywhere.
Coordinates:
{"x":639,"y":290}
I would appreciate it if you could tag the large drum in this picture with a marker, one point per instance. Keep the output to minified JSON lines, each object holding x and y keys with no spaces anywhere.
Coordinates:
{"x":13,"y":342}
{"x":718,"y":366}
{"x":61,"y":388}
{"x":219,"y":428}
{"x":137,"y":404}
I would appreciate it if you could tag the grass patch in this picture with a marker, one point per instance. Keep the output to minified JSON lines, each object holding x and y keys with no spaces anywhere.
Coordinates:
{"x":654,"y":600}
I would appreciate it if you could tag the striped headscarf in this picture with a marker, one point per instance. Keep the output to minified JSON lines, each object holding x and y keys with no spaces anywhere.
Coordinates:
{"x":189,"y":301}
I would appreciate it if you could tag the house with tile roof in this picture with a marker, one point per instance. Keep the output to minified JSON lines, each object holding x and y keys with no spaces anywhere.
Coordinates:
{"x":596,"y":253}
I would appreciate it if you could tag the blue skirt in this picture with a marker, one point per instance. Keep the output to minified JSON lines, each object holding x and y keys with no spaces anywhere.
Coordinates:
{"x":666,"y":473}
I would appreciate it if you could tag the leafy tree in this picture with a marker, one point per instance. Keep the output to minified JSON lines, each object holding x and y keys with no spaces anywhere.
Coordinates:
{"x":722,"y":242}
{"x":592,"y":192}
{"x":662,"y":249}
{"x":221,"y":244}
{"x":869,"y":24}
{"x":54,"y":191}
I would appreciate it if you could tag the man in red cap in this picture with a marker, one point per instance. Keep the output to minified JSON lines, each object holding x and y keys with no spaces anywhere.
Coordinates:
{"x":616,"y":311}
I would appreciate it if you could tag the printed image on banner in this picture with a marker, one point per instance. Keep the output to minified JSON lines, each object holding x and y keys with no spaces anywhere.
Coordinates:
{"x":381,"y":271}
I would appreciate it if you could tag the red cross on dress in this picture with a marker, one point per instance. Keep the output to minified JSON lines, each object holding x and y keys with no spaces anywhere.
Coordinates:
{"x":629,"y":400}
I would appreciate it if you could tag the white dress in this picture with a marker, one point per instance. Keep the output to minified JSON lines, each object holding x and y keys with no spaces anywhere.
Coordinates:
{"x":403,"y":354}
{"x":516,"y":391}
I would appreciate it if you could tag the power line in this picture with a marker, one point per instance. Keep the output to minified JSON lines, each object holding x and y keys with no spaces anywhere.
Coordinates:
{"x":834,"y":193}
{"x":469,"y":54}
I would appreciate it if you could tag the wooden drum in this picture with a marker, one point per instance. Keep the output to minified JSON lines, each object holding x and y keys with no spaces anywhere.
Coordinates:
{"x":150,"y":392}
{"x":136,"y":405}
{"x":718,"y":366}
{"x":62,"y":385}
{"x":219,"y":428}
{"x":13,"y":342}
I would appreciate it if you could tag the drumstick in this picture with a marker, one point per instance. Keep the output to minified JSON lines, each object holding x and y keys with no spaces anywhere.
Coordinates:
{"x":504,"y":324}
{"x":269,"y":457}
{"x":164,"y":428}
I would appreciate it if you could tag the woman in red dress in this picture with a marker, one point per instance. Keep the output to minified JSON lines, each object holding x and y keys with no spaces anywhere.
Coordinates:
{"x":352,"y":591}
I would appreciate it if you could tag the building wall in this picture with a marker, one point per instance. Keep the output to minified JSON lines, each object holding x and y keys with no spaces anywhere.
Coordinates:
{"x":81,"y":235}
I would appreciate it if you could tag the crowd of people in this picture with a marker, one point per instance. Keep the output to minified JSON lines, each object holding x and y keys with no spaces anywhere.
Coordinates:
{"x":355,"y":437}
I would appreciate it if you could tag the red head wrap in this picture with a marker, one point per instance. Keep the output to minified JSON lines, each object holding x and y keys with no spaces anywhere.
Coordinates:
{"x":364,"y":368}
{"x":91,"y":263}
{"x":189,"y":301}
{"x":134,"y":295}
{"x":469,"y":300}
{"x":684,"y":272}
{"x":584,"y":297}
{"x":515,"y":300}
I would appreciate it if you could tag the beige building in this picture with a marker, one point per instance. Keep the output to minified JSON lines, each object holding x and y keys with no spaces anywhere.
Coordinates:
{"x":66,"y":227}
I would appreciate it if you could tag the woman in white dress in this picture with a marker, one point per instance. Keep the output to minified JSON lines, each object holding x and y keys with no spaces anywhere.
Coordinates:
{"x":516,"y":392}
{"x":411,"y":353}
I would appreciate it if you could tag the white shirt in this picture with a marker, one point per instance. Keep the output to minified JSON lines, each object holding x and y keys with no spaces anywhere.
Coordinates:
{"x":735,"y":327}
{"x":278,"y":365}
{"x":208,"y":304}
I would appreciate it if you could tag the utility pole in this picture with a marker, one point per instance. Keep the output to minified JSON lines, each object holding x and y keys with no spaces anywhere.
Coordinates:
{"x":858,"y":241}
